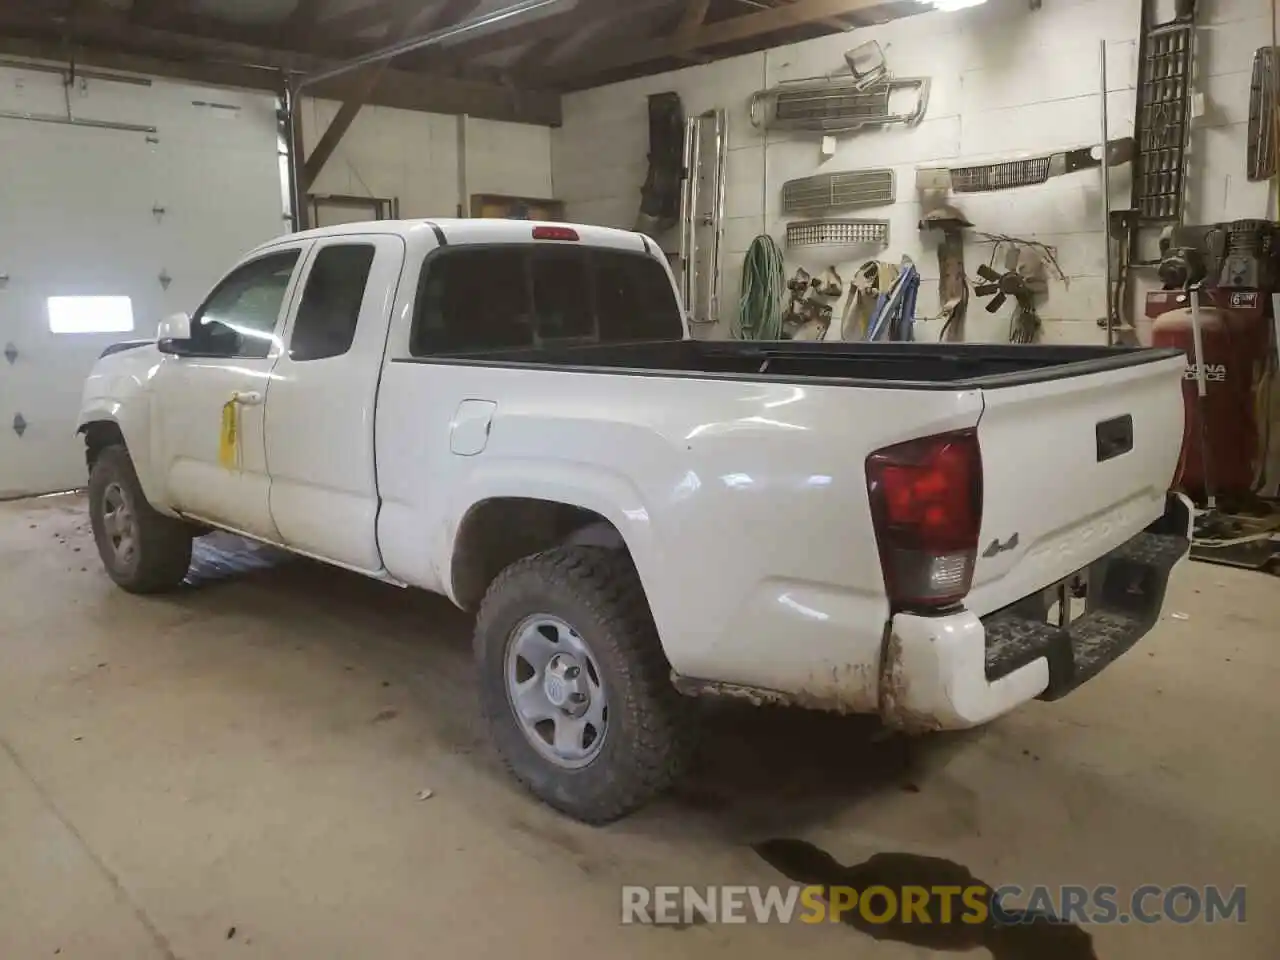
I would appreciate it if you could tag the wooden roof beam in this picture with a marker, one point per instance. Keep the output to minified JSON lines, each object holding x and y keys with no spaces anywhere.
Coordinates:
{"x":360,"y":19}
{"x":746,"y":27}
{"x":366,"y":82}
{"x":106,"y":44}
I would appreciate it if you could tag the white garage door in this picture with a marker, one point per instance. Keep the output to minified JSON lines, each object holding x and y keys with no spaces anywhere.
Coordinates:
{"x":99,"y":225}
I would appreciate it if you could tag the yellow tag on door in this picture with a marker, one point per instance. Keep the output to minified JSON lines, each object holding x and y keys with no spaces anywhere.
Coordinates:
{"x":229,"y":441}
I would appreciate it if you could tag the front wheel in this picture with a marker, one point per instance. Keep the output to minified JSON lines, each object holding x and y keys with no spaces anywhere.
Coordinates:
{"x":142,"y":550}
{"x":575,"y":686}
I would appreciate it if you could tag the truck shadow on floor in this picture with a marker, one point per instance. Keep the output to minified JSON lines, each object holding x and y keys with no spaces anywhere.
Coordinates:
{"x":770,"y":771}
{"x":759,"y":771}
{"x":1019,"y":935}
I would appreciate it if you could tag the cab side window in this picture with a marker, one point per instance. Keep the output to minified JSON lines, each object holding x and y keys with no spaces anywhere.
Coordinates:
{"x":239,"y":318}
{"x":330,"y":308}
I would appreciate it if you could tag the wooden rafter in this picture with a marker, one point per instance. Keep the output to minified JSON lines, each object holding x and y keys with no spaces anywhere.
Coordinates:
{"x":692,"y":18}
{"x":366,"y":82}
{"x":539,"y":52}
{"x":83,"y":17}
{"x":145,"y":10}
{"x":299,"y":27}
{"x":560,"y":26}
{"x":745,"y":27}
{"x":114,"y":42}
{"x":359,"y":19}
{"x":570,"y":46}
{"x":465,"y":51}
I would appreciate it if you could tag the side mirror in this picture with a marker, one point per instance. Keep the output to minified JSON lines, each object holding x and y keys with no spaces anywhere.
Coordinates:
{"x":173,"y":333}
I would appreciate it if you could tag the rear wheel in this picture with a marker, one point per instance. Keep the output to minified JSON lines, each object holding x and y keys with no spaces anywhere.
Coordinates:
{"x":143,"y":550}
{"x":575,"y":686}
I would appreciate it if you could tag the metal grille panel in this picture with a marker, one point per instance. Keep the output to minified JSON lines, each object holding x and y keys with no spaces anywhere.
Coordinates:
{"x":835,"y":191}
{"x":1000,"y":176}
{"x":837,"y":233}
{"x":816,"y":108}
{"x":1164,"y":93}
{"x":1262,"y":107}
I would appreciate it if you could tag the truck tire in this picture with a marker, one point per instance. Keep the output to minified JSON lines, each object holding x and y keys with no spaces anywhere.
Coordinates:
{"x":142,"y":550}
{"x":565,"y":646}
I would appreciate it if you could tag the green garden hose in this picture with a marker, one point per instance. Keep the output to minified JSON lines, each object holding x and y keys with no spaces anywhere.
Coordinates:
{"x":764,"y":284}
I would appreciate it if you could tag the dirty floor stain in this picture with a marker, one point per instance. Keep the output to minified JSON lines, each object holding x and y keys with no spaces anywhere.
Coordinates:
{"x":1029,"y":937}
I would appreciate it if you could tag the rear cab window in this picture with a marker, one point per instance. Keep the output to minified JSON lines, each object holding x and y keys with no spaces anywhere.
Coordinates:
{"x":523,"y":296}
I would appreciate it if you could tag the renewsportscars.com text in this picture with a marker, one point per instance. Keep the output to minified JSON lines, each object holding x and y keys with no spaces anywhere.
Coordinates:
{"x":978,"y":904}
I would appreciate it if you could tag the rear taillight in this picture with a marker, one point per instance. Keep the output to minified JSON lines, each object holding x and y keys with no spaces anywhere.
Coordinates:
{"x":555,"y":233}
{"x":926,"y":504}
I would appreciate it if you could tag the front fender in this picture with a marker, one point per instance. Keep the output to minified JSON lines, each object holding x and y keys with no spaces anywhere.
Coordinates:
{"x":116,"y":392}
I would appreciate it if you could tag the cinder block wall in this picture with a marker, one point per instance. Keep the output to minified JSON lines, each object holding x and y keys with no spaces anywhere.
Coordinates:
{"x":1005,"y":80}
{"x":414,"y":156}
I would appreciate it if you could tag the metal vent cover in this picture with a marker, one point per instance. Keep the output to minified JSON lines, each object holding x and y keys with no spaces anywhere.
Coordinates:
{"x":1000,"y":176}
{"x":837,"y":191}
{"x":1024,"y":171}
{"x":1261,"y":163}
{"x":1165,"y":72}
{"x":837,"y":233}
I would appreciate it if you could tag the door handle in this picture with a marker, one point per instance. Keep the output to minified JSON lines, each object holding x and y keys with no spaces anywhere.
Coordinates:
{"x":247,"y":398}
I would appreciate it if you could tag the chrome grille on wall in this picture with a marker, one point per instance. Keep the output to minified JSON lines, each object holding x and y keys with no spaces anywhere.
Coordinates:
{"x":838,"y":232}
{"x":819,"y":107}
{"x":835,"y":104}
{"x":1000,"y":176}
{"x":836,"y":191}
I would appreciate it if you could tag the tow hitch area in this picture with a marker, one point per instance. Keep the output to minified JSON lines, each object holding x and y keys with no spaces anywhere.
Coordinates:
{"x":1126,"y":590}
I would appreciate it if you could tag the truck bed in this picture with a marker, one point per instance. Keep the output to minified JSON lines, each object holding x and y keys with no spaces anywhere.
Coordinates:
{"x":905,"y":365}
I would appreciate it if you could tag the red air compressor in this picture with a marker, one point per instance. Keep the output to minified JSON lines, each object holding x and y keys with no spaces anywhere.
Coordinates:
{"x":1233,"y":263}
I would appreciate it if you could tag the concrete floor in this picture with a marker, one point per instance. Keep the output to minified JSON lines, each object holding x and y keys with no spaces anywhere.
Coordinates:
{"x":233,"y":771}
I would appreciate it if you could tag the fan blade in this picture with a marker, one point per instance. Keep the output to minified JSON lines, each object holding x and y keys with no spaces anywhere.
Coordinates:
{"x":996,"y":302}
{"x":1012,"y":257}
{"x":986,"y":289}
{"x":986,"y":273}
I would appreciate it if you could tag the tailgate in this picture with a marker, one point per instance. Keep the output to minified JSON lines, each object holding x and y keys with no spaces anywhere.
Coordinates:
{"x":1072,"y":467}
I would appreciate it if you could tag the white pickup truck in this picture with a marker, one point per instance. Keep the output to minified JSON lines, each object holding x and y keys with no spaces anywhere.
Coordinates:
{"x":512,"y":414}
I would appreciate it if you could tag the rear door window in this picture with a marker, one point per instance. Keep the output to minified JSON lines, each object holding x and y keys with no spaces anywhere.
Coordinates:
{"x":330,"y":309}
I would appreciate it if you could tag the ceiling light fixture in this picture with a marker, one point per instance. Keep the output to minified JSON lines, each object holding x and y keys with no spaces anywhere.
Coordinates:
{"x":949,"y":5}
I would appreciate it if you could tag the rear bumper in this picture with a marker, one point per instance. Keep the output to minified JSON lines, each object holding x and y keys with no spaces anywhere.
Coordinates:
{"x":958,"y":671}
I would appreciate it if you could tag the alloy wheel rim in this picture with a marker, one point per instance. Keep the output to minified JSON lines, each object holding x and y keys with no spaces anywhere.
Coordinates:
{"x":556,"y":691}
{"x":120,"y":524}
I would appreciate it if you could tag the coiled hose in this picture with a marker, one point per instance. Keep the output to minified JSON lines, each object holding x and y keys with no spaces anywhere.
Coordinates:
{"x":764,"y":283}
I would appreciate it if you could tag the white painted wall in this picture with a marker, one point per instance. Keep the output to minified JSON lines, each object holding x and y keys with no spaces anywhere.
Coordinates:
{"x":1005,"y":80}
{"x":414,"y":157}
